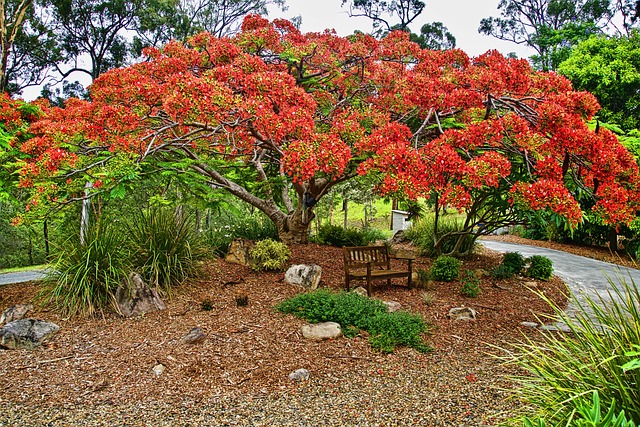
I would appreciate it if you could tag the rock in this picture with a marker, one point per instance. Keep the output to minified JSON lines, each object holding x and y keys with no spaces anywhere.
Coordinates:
{"x":159,"y":369}
{"x":299,"y":375}
{"x":480,"y":272}
{"x":392,"y":306}
{"x":307,"y":276}
{"x":136,"y":297}
{"x":238,"y":252}
{"x":26,"y":333}
{"x":322,"y":331}
{"x":415,"y":278}
{"x":531,"y":284}
{"x":462,"y":313}
{"x":15,"y":312}
{"x":360,"y":291}
{"x":195,"y":336}
{"x":399,"y":237}
{"x":529,"y":324}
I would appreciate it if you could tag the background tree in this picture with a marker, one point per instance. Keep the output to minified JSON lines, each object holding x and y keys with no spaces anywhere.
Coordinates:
{"x":552,"y":27}
{"x":12,"y":17}
{"x":398,"y":15}
{"x":609,"y":67}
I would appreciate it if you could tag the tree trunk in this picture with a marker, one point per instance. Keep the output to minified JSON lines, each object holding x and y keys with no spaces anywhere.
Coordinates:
{"x":294,"y":228}
{"x":345,"y":209}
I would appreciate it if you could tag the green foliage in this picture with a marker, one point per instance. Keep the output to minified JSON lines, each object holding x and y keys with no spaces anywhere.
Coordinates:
{"x":563,"y":368}
{"x":335,"y":235}
{"x":269,"y":255}
{"x":423,"y":277}
{"x":445,"y":268}
{"x":206,"y":305}
{"x":238,"y":225}
{"x":608,"y":67}
{"x":513,"y":261}
{"x":540,"y":267}
{"x":353,"y":311}
{"x":390,"y":330}
{"x":501,"y":272}
{"x":421,"y":235}
{"x":85,"y":276}
{"x":590,"y":414}
{"x":166,"y":246}
{"x":470,"y":285}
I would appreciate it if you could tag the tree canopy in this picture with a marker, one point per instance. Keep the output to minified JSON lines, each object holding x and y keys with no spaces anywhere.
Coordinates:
{"x":276,"y":118}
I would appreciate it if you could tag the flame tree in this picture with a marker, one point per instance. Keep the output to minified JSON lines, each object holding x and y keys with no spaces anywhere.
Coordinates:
{"x":277,"y":118}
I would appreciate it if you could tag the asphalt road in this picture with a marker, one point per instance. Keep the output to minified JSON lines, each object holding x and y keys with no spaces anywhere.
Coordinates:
{"x":22,"y":276}
{"x":583,"y":276}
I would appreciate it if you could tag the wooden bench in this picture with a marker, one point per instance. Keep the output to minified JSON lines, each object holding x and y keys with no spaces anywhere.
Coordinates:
{"x":370,"y":263}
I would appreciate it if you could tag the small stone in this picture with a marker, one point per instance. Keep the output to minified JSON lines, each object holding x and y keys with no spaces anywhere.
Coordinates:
{"x":531,"y":284}
{"x":26,"y":333}
{"x":299,"y":375}
{"x":360,"y":291}
{"x":529,"y":324}
{"x":307,"y":276}
{"x":195,"y":336}
{"x":480,"y":272}
{"x":392,"y":306}
{"x":462,"y":313}
{"x":159,"y":369}
{"x":321,"y":331}
{"x":15,"y":312}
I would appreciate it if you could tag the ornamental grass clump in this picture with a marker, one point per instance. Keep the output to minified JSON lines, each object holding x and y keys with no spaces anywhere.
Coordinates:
{"x":166,"y":247}
{"x":85,"y":275}
{"x":356,"y":312}
{"x":597,"y":355}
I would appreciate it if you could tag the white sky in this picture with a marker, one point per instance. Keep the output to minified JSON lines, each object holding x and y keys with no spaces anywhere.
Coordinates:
{"x":461,"y":17}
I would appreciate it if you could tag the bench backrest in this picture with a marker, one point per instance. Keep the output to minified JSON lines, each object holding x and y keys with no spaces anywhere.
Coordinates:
{"x":360,"y":256}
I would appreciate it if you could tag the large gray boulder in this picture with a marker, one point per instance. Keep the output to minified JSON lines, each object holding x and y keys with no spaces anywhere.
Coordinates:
{"x":15,"y":312}
{"x":136,"y":297}
{"x":321,"y":331}
{"x":307,"y":276}
{"x":26,"y":333}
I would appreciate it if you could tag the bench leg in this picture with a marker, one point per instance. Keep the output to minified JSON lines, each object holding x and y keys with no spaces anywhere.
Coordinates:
{"x":410,"y":278}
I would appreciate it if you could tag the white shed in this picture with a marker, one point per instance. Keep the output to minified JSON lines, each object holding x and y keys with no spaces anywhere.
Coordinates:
{"x":399,"y":220}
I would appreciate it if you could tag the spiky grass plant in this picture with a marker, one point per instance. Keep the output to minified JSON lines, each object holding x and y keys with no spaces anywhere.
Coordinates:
{"x":85,"y":275}
{"x":564,"y":368}
{"x":166,"y":246}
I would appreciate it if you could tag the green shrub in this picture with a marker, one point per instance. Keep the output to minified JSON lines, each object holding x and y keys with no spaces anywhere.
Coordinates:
{"x":226,"y":228}
{"x":445,"y":268}
{"x":269,"y":255}
{"x":166,"y":246}
{"x":596,"y":356}
{"x":501,"y":272}
{"x":85,"y":276}
{"x":421,"y":235}
{"x":540,"y":267}
{"x":390,"y":330}
{"x":513,"y":261}
{"x":335,"y":235}
{"x":470,"y":285}
{"x":353,"y":311}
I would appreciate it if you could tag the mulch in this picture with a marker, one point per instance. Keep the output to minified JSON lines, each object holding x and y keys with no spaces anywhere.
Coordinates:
{"x":99,"y":371}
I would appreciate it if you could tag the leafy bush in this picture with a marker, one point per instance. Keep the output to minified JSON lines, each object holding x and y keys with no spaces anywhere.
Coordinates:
{"x":470,"y":285}
{"x":269,"y":255}
{"x":353,"y":311}
{"x":421,"y":235}
{"x":85,"y":276}
{"x":513,"y":261}
{"x":501,"y":271}
{"x":595,"y":356}
{"x":540,"y":267}
{"x":335,"y":235}
{"x":166,"y":246}
{"x":251,"y":226}
{"x":445,"y":268}
{"x":389,"y":330}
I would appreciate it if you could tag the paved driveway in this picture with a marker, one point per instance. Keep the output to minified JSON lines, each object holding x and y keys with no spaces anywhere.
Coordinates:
{"x":583,"y":276}
{"x":22,"y":276}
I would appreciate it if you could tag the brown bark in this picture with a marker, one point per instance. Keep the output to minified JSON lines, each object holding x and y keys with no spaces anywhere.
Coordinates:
{"x":9,"y":27}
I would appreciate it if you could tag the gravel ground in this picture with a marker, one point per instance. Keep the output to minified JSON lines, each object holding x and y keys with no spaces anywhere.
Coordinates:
{"x":98,"y":372}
